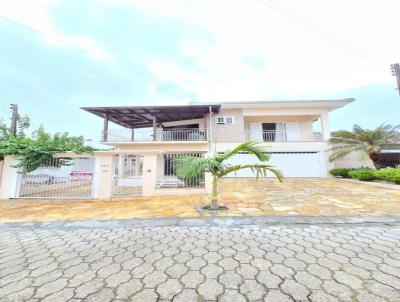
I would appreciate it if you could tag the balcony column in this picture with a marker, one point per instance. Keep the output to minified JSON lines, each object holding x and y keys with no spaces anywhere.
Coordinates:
{"x":326,"y":133}
{"x":154,"y":127}
{"x":105,"y":127}
{"x":132,"y":135}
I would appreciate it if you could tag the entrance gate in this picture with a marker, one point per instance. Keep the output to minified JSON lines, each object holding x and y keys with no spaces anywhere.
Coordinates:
{"x":58,"y":178}
{"x":128,"y":175}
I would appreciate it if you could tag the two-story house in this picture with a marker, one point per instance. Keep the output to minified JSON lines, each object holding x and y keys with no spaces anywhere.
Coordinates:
{"x":149,"y":138}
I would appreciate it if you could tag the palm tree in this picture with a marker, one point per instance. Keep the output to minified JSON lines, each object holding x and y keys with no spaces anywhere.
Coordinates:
{"x":190,"y":166}
{"x":369,"y":141}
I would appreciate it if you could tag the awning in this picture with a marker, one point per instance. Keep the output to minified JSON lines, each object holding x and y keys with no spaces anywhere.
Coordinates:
{"x":142,"y":116}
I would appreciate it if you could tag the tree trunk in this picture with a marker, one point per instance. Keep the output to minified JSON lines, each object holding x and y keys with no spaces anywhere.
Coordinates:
{"x":214,"y":193}
{"x":374,"y":156}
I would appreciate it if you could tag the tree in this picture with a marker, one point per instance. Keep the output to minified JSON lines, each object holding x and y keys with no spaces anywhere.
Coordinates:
{"x":33,"y":151}
{"x":191,"y":166}
{"x":368,"y":141}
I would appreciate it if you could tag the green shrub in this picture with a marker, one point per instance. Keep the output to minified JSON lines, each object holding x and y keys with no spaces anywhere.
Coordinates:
{"x":388,"y":174}
{"x":343,"y":172}
{"x":365,"y":174}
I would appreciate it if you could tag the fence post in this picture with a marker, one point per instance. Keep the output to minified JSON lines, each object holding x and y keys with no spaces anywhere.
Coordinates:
{"x":103,"y":176}
{"x":8,"y":179}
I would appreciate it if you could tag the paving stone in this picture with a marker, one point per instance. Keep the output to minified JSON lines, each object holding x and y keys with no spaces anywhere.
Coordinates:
{"x":88,"y":288}
{"x":169,"y":289}
{"x":252,"y":290}
{"x":322,"y":296}
{"x":129,"y":288}
{"x":276,"y":295}
{"x":231,"y":296}
{"x":211,"y":271}
{"x":210,"y":289}
{"x":147,"y":295}
{"x":228,"y":264}
{"x":192,"y":279}
{"x":187,"y":295}
{"x":308,"y":280}
{"x":295,"y":290}
{"x":347,"y":279}
{"x":103,"y":295}
{"x":177,"y":270}
{"x":51,"y":287}
{"x":338,"y":290}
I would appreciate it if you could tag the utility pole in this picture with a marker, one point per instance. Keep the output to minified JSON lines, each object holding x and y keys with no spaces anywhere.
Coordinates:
{"x":395,"y":68}
{"x":14,"y":118}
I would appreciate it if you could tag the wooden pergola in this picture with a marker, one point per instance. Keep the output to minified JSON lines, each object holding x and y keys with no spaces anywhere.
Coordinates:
{"x":133,"y":117}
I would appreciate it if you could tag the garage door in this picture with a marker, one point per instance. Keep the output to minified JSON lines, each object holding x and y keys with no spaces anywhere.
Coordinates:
{"x":291,"y":164}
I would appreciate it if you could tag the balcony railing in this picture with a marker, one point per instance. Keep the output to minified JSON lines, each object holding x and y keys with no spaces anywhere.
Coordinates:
{"x":284,"y":136}
{"x":160,"y":135}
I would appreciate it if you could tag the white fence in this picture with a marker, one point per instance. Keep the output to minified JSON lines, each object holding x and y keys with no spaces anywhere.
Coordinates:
{"x":167,"y":173}
{"x":58,"y":178}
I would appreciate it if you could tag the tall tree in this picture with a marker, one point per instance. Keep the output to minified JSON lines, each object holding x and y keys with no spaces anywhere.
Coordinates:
{"x":191,"y":166}
{"x":368,"y":141}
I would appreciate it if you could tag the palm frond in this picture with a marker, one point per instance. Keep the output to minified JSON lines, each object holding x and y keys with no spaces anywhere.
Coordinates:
{"x":191,"y":166}
{"x":370,"y":141}
{"x":254,"y":148}
{"x":258,"y":170}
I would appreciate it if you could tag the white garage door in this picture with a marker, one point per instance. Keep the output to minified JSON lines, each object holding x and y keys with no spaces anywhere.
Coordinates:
{"x":291,"y":164}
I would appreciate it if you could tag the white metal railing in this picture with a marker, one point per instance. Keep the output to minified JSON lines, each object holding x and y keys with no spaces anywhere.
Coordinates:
{"x":168,"y":179}
{"x":148,"y":135}
{"x":283,"y":136}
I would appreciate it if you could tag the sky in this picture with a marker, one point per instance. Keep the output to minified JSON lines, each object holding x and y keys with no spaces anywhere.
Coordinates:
{"x":58,"y":56}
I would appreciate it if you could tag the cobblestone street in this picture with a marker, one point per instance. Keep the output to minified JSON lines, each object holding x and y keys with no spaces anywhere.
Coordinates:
{"x":248,"y":263}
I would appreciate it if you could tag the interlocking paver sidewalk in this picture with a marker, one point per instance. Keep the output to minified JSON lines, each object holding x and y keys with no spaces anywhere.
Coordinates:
{"x":243,"y":197}
{"x":250,"y":263}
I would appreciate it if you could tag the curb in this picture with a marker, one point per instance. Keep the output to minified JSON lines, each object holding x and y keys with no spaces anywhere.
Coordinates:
{"x":265,"y":220}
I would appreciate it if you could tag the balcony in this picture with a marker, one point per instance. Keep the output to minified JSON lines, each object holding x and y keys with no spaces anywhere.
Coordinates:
{"x":159,"y":135}
{"x":284,"y":136}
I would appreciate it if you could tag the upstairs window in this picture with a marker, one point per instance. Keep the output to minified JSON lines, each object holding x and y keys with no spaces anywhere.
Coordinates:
{"x":229,"y":120}
{"x":220,"y":120}
{"x":225,"y":120}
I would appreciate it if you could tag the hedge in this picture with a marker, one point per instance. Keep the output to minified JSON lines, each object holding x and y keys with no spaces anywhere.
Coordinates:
{"x":368,"y":174}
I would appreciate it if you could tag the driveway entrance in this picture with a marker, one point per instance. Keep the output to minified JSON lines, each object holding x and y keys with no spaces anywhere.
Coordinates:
{"x":243,"y":197}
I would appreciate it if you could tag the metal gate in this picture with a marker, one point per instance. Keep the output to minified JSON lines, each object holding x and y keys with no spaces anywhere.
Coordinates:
{"x":58,"y":178}
{"x":128,"y":175}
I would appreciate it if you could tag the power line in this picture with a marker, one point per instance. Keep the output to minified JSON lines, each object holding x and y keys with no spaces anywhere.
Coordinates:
{"x":51,"y":37}
{"x":295,"y":15}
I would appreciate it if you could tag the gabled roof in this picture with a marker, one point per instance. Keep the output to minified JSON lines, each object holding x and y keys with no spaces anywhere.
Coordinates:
{"x":142,"y":116}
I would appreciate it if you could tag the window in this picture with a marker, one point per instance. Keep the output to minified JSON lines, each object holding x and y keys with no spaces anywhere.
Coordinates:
{"x":220,"y":120}
{"x":228,"y":120}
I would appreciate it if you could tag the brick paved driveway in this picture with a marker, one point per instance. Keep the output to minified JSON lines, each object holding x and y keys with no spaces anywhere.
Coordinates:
{"x":253,"y":263}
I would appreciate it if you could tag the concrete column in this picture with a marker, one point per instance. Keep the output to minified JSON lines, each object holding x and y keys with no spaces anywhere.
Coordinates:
{"x":105,"y":128}
{"x":8,"y":179}
{"x":149,"y":174}
{"x":103,"y":176}
{"x":326,"y":133}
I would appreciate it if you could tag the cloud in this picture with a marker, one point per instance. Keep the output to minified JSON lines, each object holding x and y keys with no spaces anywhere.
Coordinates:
{"x":36,"y":15}
{"x":297,"y":63}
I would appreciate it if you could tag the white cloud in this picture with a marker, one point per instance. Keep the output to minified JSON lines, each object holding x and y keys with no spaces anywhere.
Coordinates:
{"x":297,"y":62}
{"x":35,"y":14}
